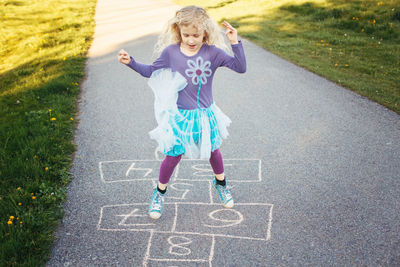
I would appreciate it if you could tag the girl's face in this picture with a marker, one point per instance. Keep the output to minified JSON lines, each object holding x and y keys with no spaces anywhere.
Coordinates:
{"x":192,"y":38}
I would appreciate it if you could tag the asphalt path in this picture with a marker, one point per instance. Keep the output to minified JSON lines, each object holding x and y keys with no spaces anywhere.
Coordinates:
{"x":313,"y":167}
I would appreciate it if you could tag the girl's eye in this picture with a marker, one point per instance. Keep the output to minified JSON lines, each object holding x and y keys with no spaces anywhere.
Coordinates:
{"x":196,"y":36}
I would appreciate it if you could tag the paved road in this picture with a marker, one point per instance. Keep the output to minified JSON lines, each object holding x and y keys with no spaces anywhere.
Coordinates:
{"x":313,"y":167}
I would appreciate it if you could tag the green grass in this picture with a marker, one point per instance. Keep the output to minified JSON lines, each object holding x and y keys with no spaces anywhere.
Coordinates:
{"x":43,"y":51}
{"x":351,"y":42}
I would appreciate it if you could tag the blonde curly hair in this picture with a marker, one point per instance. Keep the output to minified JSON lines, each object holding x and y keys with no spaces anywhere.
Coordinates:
{"x":191,"y":15}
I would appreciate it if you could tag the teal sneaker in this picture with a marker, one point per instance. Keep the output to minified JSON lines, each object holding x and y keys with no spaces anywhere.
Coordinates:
{"x":156,"y":204}
{"x":224,"y":195}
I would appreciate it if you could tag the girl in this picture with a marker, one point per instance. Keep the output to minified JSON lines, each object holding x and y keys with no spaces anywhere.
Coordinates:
{"x":189,"y":123}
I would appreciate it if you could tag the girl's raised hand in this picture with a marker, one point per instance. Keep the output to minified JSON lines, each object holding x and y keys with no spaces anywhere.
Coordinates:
{"x":124,"y":57}
{"x":230,"y":32}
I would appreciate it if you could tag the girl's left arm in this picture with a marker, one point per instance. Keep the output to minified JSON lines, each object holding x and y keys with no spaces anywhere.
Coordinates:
{"x":237,"y":62}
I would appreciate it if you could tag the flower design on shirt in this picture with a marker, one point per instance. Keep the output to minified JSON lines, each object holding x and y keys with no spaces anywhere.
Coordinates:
{"x":198,"y":69}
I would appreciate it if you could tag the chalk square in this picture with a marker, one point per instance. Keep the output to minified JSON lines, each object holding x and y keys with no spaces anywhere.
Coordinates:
{"x":129,"y":170}
{"x":183,"y":248}
{"x":237,"y":170}
{"x":248,"y":221}
{"x":176,"y":263}
{"x":134,"y":217}
{"x":186,"y":191}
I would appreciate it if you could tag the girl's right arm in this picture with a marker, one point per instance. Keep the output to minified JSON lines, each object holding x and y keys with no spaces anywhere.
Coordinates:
{"x":143,"y":69}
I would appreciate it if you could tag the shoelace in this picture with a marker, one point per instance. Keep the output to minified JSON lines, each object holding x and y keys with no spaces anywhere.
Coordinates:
{"x":157,"y":202}
{"x":227,"y":193}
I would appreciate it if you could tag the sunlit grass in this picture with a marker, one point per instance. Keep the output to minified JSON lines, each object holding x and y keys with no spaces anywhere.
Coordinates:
{"x":43,"y":46}
{"x":353,"y":43}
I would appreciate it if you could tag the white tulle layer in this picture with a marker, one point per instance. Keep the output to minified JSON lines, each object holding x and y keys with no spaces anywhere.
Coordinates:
{"x":194,"y":133}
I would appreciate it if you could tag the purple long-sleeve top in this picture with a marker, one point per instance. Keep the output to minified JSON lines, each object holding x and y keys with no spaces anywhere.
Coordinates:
{"x":199,"y":68}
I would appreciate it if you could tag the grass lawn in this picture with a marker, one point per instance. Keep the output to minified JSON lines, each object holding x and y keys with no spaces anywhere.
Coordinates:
{"x":43,"y":51}
{"x":351,"y":42}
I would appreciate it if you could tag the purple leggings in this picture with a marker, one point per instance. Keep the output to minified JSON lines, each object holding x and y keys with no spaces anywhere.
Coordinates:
{"x":169,"y":163}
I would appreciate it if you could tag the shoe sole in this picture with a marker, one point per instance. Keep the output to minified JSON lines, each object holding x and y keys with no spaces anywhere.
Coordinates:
{"x":155,"y":215}
{"x":229,"y":204}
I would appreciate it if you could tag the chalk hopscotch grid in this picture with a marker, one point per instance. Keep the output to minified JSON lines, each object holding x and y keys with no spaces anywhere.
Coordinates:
{"x":174,"y":178}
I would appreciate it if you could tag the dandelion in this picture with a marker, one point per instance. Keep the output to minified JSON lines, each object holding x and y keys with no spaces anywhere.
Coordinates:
{"x":20,"y":222}
{"x":336,"y":64}
{"x":19,"y":188}
{"x":46,"y":169}
{"x":11,"y":218}
{"x":17,"y":218}
{"x":71,"y":119}
{"x":49,"y":109}
{"x":373,"y":21}
{"x":322,"y":41}
{"x":362,"y":30}
{"x":19,"y":204}
{"x":64,"y":58}
{"x":35,"y":157}
{"x":347,"y":65}
{"x":9,"y":222}
{"x":53,"y":119}
{"x":33,"y":197}
{"x":380,"y":3}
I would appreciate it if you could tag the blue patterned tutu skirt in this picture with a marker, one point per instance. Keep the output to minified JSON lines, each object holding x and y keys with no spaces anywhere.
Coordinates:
{"x":194,"y":133}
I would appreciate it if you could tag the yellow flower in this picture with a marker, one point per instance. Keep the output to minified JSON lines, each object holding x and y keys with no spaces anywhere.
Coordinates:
{"x":373,"y":21}
{"x":53,"y":119}
{"x":33,"y":197}
{"x":336,"y":65}
{"x":322,"y":41}
{"x":347,"y":65}
{"x":46,"y":169}
{"x":64,"y":58}
{"x":362,"y":30}
{"x":19,"y":188}
{"x":49,"y":109}
{"x":17,"y":218}
{"x":19,"y":204}
{"x":71,"y":119}
{"x":35,"y":157}
{"x":11,"y":218}
{"x":9,"y":222}
{"x":20,"y":222}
